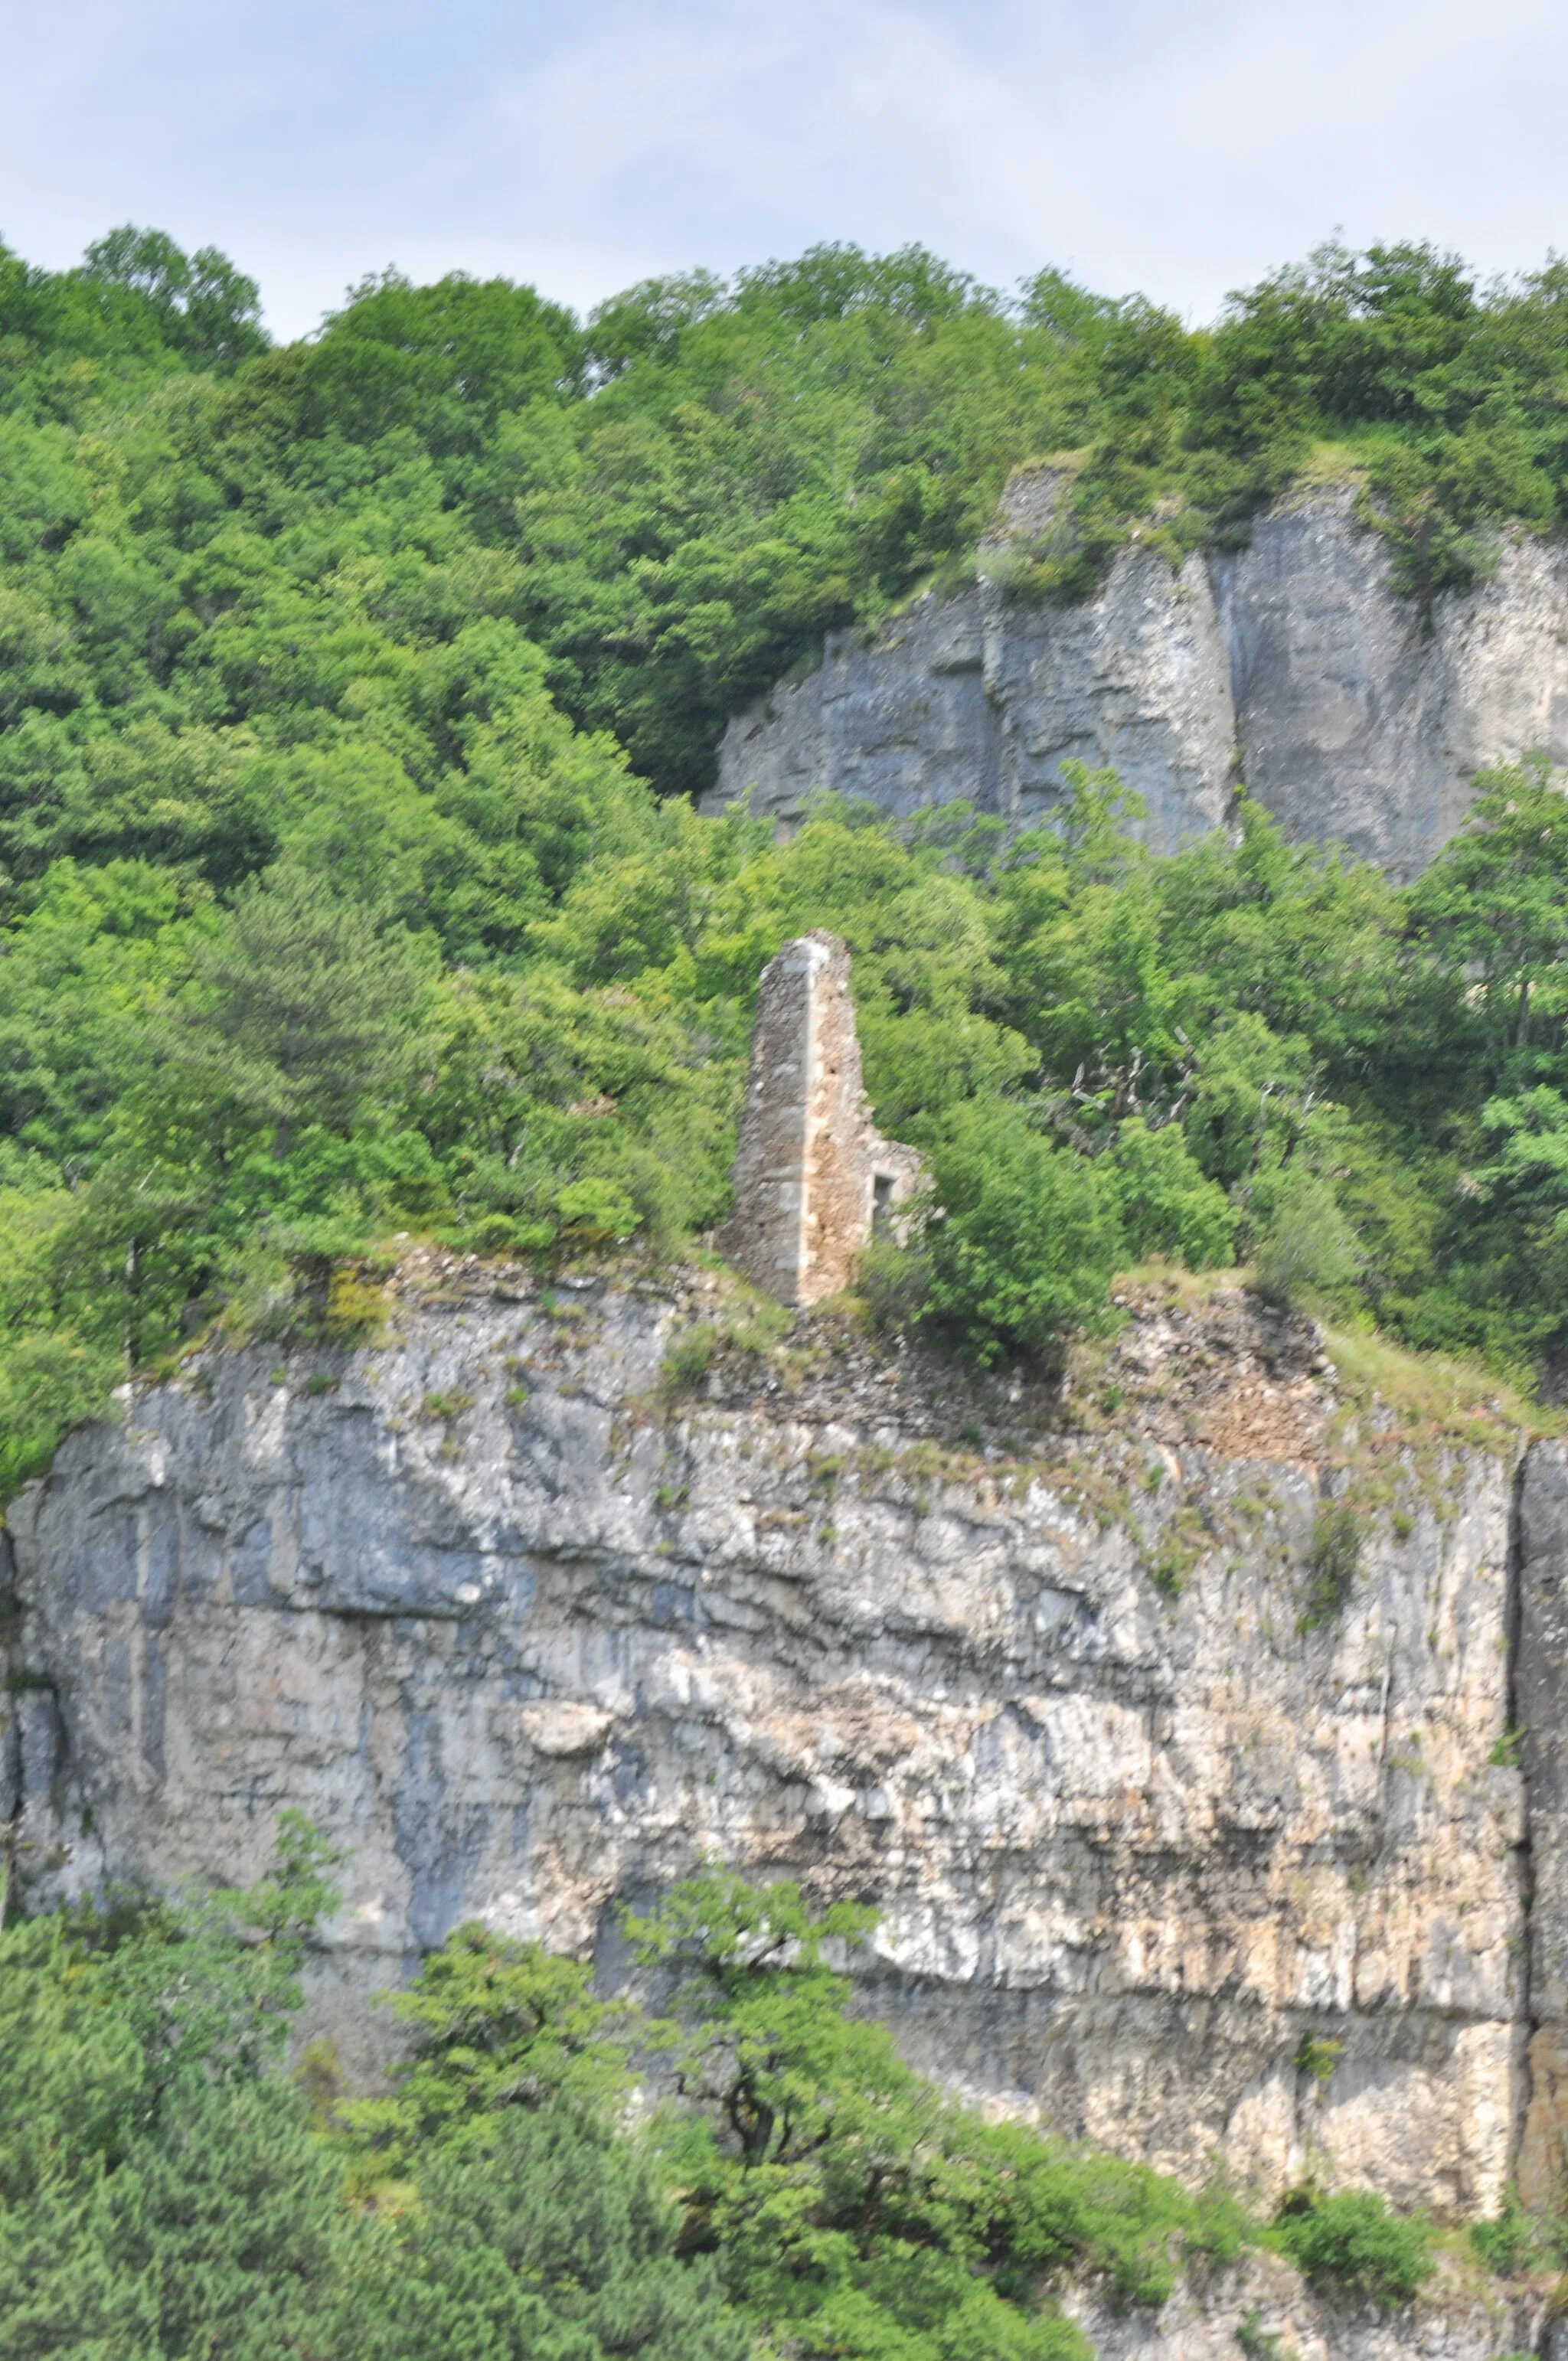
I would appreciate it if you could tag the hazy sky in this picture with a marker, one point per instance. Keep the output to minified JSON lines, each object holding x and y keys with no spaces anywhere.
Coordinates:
{"x":1182,"y":148}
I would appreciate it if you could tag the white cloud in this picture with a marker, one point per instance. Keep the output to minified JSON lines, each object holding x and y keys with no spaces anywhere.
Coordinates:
{"x":1182,"y":149}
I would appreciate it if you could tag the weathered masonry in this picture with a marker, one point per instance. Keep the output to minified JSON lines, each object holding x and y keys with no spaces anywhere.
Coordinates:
{"x":813,"y":1175}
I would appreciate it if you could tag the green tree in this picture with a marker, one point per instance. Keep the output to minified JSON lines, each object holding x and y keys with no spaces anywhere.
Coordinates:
{"x":1305,"y":1248}
{"x":305,"y":1010}
{"x":213,"y":2232}
{"x":498,"y":2024}
{"x":853,"y":2208}
{"x":445,"y":360}
{"x":1028,"y":1235}
{"x":160,"y":2194}
{"x":1169,"y":1208}
{"x":1495,"y":907}
{"x":544,"y":2237}
{"x":205,"y":307}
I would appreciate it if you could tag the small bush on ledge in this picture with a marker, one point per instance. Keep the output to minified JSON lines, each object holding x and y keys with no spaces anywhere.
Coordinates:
{"x":1351,"y":2245}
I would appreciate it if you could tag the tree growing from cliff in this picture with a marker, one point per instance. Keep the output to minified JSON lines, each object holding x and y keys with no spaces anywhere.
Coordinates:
{"x":159,"y":2187}
{"x":167,"y":2192}
{"x":854,"y":2208}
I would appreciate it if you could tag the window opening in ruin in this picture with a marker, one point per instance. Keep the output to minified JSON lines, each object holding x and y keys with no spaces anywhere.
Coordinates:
{"x":881,"y":1203}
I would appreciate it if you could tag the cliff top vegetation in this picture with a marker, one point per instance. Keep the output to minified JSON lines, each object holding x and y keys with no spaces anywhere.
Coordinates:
{"x":351,"y":695}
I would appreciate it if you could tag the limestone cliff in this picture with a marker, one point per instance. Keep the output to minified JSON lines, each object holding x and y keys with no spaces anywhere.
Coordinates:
{"x":1293,"y":666}
{"x":1057,"y":1682}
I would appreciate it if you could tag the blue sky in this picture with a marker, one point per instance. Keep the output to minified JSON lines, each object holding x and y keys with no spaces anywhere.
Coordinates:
{"x":1182,"y":148}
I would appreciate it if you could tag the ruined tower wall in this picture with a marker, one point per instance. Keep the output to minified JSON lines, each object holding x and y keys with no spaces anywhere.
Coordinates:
{"x":765,"y":1234}
{"x":810,"y":1168}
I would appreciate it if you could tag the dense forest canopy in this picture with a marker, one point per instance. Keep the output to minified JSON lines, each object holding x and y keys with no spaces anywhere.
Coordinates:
{"x":352,"y":696}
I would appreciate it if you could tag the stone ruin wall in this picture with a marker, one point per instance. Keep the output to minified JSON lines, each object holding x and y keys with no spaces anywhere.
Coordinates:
{"x":811,"y":1170}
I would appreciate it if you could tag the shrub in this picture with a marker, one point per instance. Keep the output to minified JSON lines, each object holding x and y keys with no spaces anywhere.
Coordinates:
{"x":593,"y":1211}
{"x":1306,"y":1247}
{"x":46,"y":1383}
{"x":1029,"y":1234}
{"x":1168,"y":1206}
{"x":1259,"y":2344}
{"x":894,"y":1281}
{"x":1351,"y":2244}
{"x":1513,"y":2242}
{"x":686,"y":1360}
{"x":1317,"y":2057}
{"x":1332,"y":1564}
{"x":1058,"y":2209}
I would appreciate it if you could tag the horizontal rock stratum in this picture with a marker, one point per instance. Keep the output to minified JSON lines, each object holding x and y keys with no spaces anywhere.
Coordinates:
{"x":1292,"y":666}
{"x":1150,"y":1830}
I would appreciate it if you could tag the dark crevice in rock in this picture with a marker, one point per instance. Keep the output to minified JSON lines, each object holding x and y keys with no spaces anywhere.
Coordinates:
{"x":1539,"y":1673}
{"x":1526,"y":1849}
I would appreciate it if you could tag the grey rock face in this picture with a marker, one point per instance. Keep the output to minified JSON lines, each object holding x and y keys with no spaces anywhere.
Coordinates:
{"x":979,"y":697}
{"x":1263,"y":2298}
{"x":1293,"y":666}
{"x":1357,"y":725}
{"x":525,"y":1656}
